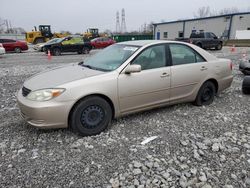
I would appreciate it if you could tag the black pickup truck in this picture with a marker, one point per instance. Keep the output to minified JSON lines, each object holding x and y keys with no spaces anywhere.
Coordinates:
{"x":206,"y":40}
{"x":68,"y":44}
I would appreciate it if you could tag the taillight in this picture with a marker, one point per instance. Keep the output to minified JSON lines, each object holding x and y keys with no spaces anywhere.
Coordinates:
{"x":231,"y":65}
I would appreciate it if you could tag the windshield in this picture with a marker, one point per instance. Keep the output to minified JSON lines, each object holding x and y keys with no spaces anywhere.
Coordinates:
{"x":111,"y":57}
{"x":53,"y":40}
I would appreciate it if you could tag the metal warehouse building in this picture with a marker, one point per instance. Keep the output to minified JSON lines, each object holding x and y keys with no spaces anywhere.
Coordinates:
{"x":224,"y":26}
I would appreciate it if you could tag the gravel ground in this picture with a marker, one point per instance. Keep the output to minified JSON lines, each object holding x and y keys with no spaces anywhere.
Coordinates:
{"x":193,"y":146}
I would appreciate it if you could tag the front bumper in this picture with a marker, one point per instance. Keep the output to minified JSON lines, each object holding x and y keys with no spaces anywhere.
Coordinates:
{"x":47,"y":114}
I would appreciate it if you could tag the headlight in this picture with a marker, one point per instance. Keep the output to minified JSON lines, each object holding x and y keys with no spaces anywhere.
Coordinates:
{"x":44,"y":94}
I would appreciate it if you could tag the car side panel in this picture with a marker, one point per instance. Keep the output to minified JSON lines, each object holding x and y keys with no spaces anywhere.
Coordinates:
{"x":143,"y":89}
{"x":186,"y":78}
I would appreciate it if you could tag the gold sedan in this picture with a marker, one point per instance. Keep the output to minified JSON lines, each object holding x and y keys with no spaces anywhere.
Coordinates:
{"x":124,"y":78}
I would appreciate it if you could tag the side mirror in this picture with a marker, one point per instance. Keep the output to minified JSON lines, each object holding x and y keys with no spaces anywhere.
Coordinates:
{"x":133,"y":69}
{"x":215,"y":37}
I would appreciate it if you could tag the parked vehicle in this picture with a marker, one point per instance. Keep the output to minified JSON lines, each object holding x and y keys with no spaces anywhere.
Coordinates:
{"x":2,"y":49}
{"x":246,"y":85}
{"x":40,"y":47}
{"x":244,"y":67}
{"x":42,"y":35}
{"x":121,"y":79}
{"x":68,"y":44}
{"x":102,"y":42}
{"x":206,"y":40}
{"x":91,"y":33}
{"x":11,"y":45}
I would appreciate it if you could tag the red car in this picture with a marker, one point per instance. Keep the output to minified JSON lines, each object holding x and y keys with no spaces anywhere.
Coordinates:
{"x":14,"y":45}
{"x":101,"y":42}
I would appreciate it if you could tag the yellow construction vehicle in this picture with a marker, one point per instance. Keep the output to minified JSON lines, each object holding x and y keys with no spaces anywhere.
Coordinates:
{"x":42,"y":35}
{"x":91,"y":33}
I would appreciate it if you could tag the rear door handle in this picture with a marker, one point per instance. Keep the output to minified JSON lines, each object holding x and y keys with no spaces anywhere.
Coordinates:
{"x":203,"y":68}
{"x":164,"y":75}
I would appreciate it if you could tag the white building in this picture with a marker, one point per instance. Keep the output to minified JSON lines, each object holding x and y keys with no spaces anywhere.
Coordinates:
{"x":224,"y":26}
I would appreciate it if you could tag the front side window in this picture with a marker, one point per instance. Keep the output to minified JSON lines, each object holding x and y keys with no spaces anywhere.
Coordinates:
{"x":151,"y":58}
{"x":182,"y":54}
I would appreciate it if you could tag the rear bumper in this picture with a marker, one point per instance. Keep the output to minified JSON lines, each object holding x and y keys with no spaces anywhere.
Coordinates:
{"x":47,"y":114}
{"x":24,"y":47}
{"x":225,"y":83}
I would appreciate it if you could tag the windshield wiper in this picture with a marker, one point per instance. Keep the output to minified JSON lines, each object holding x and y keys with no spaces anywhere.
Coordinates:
{"x":88,"y":66}
{"x":94,"y":68}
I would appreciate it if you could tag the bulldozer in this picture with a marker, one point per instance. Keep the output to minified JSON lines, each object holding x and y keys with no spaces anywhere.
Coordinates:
{"x":43,"y":34}
{"x":91,"y":33}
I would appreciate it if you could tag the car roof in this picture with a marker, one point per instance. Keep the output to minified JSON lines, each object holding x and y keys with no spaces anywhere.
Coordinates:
{"x":142,"y":43}
{"x":147,"y":42}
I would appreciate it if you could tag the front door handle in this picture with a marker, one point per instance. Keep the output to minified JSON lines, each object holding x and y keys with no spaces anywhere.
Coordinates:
{"x":203,"y":68}
{"x":164,"y":75}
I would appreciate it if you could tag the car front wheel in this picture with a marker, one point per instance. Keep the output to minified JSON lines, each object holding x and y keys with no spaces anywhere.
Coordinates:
{"x":90,"y":116}
{"x":206,"y":94}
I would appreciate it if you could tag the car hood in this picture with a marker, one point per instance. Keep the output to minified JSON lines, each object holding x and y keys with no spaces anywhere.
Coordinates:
{"x":58,"y":76}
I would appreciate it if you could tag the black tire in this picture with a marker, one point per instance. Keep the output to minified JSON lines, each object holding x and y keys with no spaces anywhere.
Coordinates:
{"x":219,"y":46}
{"x":90,"y":116}
{"x":246,"y":85}
{"x":85,"y":50}
{"x":246,"y":71}
{"x":18,"y":50}
{"x":206,"y":94}
{"x":56,"y":52}
{"x":79,"y":52}
{"x":39,"y":40}
{"x":199,"y":44}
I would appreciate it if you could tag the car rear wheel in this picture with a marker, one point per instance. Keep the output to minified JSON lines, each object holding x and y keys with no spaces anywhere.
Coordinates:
{"x":199,"y":44}
{"x":56,"y":52}
{"x":18,"y":50}
{"x":206,"y":94}
{"x":79,"y":52}
{"x":85,"y":50}
{"x":219,"y":47}
{"x":90,"y":116}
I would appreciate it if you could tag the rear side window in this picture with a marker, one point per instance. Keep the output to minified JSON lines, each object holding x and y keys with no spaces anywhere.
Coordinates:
{"x":197,"y":35}
{"x":182,"y":54}
{"x":208,"y":35}
{"x":8,"y":40}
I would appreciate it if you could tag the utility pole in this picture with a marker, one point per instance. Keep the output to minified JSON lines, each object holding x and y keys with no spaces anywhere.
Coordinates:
{"x":123,"y":25}
{"x":7,"y":25}
{"x":118,"y":28}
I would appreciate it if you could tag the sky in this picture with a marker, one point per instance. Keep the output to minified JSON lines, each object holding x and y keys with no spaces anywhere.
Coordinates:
{"x":78,"y":15}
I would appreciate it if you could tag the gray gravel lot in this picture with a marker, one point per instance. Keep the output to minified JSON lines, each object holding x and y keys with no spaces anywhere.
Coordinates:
{"x":195,"y":146}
